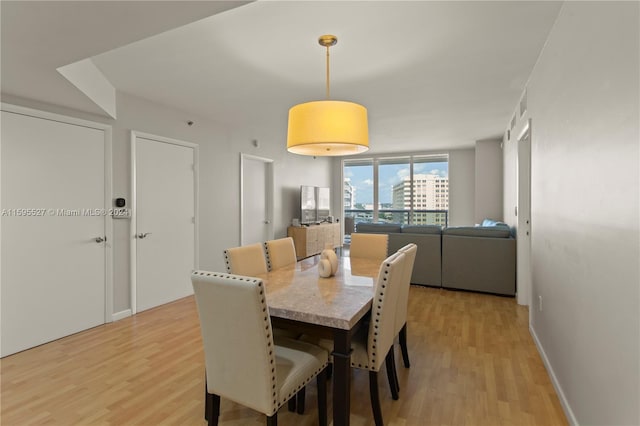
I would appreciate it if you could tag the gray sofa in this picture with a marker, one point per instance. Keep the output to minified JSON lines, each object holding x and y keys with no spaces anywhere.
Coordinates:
{"x":428,"y":264}
{"x":477,"y":258}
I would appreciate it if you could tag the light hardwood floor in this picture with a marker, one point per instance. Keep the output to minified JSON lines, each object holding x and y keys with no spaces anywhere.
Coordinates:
{"x":473,"y":362}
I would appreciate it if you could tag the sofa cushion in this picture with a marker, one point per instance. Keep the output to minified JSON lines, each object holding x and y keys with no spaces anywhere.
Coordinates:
{"x":421,"y":229}
{"x":378,"y":228}
{"x":498,"y":231}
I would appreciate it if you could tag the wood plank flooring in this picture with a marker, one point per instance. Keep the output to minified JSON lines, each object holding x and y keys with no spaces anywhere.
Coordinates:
{"x":473,"y":362}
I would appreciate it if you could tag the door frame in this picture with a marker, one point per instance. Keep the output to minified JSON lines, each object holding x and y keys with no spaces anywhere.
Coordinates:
{"x":524,"y":287}
{"x":268,"y":196}
{"x":108,"y":189}
{"x":133,"y":246}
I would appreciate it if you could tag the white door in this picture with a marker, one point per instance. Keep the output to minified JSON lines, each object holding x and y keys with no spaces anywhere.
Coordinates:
{"x":523,"y":248}
{"x":54,"y":264}
{"x":164,"y":228}
{"x":256,"y":199}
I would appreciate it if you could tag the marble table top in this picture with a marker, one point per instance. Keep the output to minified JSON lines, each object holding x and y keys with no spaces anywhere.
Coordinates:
{"x":298,"y":293}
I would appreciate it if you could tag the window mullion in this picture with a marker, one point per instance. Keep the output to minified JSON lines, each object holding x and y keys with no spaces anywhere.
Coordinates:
{"x":376,"y":196}
{"x":411,"y":192}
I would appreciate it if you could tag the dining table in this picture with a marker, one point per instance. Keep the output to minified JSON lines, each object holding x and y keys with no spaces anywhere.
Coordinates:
{"x":334,"y":307}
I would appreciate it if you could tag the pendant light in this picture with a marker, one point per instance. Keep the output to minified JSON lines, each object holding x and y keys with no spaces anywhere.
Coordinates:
{"x":328,"y":128}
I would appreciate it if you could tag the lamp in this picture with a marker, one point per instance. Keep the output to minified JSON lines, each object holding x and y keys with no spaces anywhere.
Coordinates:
{"x":328,"y":128}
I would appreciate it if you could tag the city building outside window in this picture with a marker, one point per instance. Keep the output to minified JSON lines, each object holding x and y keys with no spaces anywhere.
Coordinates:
{"x":410,"y":189}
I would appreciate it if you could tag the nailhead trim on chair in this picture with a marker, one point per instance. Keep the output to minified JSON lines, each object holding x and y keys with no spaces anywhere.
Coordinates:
{"x":268,"y":256}
{"x":272,"y":357}
{"x":276,"y":403}
{"x":227,"y":261}
{"x":371,"y":364}
{"x":295,"y":391}
{"x":265,"y":318}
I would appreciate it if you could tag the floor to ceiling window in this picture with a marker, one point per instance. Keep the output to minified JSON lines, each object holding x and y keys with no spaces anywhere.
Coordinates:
{"x":393,"y":199}
{"x":412,"y":189}
{"x":430,"y":202}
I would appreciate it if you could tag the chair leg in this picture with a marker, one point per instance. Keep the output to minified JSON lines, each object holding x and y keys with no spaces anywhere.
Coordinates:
{"x":272,"y":420}
{"x":213,"y":409}
{"x":322,"y":397}
{"x":291,"y":405}
{"x":375,"y":399}
{"x":395,"y":371}
{"x":402,"y":337}
{"x":390,"y":362}
{"x":300,"y":400}
{"x":329,"y":371}
{"x":206,"y":398}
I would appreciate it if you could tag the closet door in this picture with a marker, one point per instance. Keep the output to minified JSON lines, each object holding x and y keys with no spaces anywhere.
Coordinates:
{"x":53,"y":254}
{"x":165,"y":176}
{"x":256,"y":203}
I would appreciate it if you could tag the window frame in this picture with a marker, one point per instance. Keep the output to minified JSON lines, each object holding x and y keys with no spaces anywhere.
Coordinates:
{"x":376,"y":160}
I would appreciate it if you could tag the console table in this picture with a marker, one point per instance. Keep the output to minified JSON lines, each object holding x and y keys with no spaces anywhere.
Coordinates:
{"x":311,"y":240}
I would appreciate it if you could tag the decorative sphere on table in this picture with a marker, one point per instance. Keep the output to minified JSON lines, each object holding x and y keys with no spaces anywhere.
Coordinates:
{"x":324,"y":268}
{"x":331,"y":256}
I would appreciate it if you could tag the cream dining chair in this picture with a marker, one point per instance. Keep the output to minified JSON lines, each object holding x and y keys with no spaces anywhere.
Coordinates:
{"x":280,"y":253}
{"x":410,"y":251}
{"x":242,"y":362}
{"x":374,"y":344}
{"x":369,"y":246}
{"x":246,"y":260}
{"x":371,"y":346}
{"x":400,"y":321}
{"x":250,"y":261}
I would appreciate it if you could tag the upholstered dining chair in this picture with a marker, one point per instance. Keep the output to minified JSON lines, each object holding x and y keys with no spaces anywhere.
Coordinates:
{"x":400,"y":321}
{"x":280,"y":253}
{"x":369,"y":246}
{"x":246,"y":260}
{"x":250,"y":261}
{"x":410,"y":251}
{"x":242,"y":362}
{"x":374,"y":344}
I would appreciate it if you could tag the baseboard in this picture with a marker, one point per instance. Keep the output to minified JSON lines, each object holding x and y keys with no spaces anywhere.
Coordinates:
{"x":121,"y":315}
{"x":554,"y":380}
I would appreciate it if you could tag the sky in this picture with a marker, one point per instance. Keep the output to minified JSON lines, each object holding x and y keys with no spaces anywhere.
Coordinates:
{"x":388,"y":175}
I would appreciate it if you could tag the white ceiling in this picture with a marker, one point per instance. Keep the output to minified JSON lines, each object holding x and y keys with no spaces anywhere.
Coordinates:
{"x":39,"y":36}
{"x":433,"y":75}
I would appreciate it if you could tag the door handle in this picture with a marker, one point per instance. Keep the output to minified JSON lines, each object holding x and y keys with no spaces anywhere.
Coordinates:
{"x":143,"y":235}
{"x":100,"y":239}
{"x":266,"y":222}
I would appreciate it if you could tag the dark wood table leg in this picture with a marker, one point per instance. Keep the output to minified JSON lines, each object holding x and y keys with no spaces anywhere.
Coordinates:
{"x":341,"y":377}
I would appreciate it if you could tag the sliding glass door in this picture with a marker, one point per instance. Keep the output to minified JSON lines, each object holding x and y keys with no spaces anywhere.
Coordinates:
{"x":411,"y":189}
{"x":394,"y":190}
{"x":430,"y":188}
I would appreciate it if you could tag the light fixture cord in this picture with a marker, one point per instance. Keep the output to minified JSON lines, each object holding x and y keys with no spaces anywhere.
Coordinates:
{"x":328,"y":90}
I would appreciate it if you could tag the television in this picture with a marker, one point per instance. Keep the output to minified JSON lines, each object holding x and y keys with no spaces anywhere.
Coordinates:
{"x":308,"y":206}
{"x":323,"y":203}
{"x":315,"y":204}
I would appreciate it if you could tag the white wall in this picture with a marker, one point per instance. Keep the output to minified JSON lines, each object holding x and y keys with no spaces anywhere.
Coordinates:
{"x":219,"y":178}
{"x":488,"y":180}
{"x":583,"y":98}
{"x":462,"y":187}
{"x":290,"y":170}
